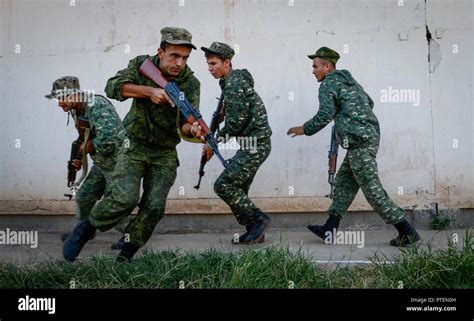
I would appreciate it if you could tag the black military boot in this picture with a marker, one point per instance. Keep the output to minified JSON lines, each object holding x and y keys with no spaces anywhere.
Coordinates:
{"x":127,"y":252}
{"x":256,"y":229}
{"x":119,"y":244}
{"x":64,"y":236}
{"x":406,"y":234}
{"x":244,"y":236}
{"x":331,"y":224}
{"x":82,"y":232}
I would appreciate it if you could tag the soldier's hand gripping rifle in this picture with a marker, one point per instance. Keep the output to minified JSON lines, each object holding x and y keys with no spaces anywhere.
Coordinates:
{"x":214,"y":127}
{"x":191,"y":114}
{"x":332,"y":156}
{"x":78,"y":154}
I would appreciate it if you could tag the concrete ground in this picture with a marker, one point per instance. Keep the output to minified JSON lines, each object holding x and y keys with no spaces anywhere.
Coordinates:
{"x":375,"y":242}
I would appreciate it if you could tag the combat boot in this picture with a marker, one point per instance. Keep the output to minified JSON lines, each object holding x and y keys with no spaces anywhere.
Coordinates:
{"x":127,"y":252}
{"x":244,"y":236}
{"x":256,"y":229}
{"x":406,"y":234}
{"x":64,"y":236}
{"x":82,"y":232}
{"x":331,"y":225}
{"x":119,"y":244}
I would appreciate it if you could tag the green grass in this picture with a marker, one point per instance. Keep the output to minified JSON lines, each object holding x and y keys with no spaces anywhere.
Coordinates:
{"x":269,"y":267}
{"x":419,"y":267}
{"x":443,"y":220}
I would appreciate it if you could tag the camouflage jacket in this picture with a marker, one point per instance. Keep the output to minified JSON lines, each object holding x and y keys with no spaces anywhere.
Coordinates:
{"x":146,"y":122}
{"x":341,"y":98}
{"x":106,"y":131}
{"x":245,"y":113}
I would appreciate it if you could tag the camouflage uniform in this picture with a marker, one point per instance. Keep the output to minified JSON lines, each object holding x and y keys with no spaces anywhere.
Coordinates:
{"x":148,"y":153}
{"x":107,"y":135}
{"x":245,"y":118}
{"x":357,"y":129}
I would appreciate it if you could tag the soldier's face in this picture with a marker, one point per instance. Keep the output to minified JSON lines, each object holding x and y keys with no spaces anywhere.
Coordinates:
{"x":320,"y":69}
{"x":173,"y":59}
{"x":67,"y":103}
{"x":217,"y":67}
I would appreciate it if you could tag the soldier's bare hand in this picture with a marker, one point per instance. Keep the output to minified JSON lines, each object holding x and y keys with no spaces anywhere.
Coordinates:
{"x":159,"y":96}
{"x":196,"y":131}
{"x":88,"y":147}
{"x":77,"y":164}
{"x":295,"y":131}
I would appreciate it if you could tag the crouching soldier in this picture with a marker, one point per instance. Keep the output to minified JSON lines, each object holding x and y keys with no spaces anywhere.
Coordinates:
{"x":96,"y":115}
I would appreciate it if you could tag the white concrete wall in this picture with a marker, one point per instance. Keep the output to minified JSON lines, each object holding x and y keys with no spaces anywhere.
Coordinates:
{"x":382,"y":43}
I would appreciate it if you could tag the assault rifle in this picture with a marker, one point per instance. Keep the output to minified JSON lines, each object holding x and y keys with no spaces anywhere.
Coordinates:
{"x":191,"y":114}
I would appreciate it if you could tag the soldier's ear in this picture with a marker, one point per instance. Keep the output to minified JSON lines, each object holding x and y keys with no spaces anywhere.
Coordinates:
{"x":327,"y":66}
{"x":160,"y":53}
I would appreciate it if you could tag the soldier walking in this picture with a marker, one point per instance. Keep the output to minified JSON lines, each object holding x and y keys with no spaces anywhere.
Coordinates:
{"x":343,"y":100}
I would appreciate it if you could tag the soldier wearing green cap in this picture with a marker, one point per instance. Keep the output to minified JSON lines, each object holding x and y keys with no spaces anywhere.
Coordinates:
{"x":148,"y":156}
{"x":342,"y":99}
{"x":106,"y":133}
{"x":246,"y":119}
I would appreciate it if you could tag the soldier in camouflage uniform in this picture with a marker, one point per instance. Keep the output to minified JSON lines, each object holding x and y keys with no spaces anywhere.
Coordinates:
{"x":246,"y":119}
{"x":149,"y":155}
{"x":343,"y":100}
{"x":106,"y":139}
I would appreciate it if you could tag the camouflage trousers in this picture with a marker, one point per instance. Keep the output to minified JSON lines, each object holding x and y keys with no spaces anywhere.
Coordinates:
{"x":233,"y":185}
{"x":139,"y":164}
{"x":359,"y":169}
{"x":92,"y":190}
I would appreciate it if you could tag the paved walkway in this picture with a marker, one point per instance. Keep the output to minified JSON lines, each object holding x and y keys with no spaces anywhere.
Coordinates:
{"x":374,"y":242}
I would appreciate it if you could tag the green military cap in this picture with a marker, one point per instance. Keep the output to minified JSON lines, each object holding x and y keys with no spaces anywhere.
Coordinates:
{"x":220,"y":49}
{"x":326,"y":53}
{"x":176,"y":36}
{"x":64,"y":86}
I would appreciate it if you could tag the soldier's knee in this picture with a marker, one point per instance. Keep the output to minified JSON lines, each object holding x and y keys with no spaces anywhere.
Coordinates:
{"x":219,"y":188}
{"x":83,"y":198}
{"x":80,"y":198}
{"x":124,"y":202}
{"x":82,"y":192}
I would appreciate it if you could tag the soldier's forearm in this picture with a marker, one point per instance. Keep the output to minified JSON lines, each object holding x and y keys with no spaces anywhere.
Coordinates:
{"x":136,"y":91}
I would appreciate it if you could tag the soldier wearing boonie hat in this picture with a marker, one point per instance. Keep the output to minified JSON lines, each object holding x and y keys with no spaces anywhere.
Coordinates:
{"x":342,"y":99}
{"x":64,"y":86}
{"x":103,"y":142}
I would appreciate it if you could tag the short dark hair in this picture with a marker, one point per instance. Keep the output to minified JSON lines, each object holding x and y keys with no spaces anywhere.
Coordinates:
{"x":164,"y":45}
{"x":212,"y":54}
{"x":330,"y":63}
{"x":218,"y":56}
